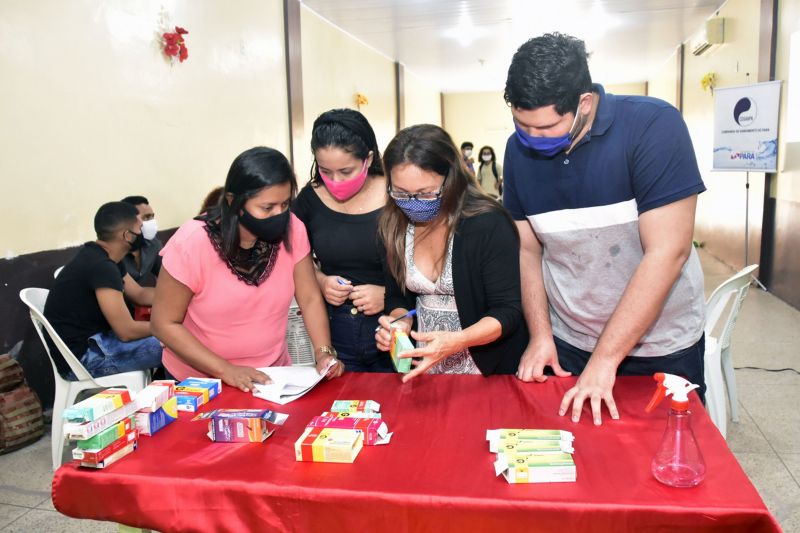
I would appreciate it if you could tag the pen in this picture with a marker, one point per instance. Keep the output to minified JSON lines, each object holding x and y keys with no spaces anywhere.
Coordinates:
{"x":411,"y":313}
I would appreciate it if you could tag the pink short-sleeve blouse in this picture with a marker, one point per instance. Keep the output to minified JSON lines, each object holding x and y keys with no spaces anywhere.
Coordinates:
{"x":241,"y":323}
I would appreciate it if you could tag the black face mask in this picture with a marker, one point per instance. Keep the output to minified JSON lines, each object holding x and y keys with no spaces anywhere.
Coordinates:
{"x":270,"y":229}
{"x":137,"y":243}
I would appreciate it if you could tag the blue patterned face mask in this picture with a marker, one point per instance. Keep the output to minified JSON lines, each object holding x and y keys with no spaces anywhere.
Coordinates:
{"x":419,"y":211}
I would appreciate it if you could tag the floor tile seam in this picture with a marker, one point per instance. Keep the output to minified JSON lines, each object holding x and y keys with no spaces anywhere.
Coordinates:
{"x":776,"y":452}
{"x":7,"y":527}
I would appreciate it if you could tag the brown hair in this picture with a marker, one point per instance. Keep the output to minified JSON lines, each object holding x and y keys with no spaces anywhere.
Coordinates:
{"x":429,"y":148}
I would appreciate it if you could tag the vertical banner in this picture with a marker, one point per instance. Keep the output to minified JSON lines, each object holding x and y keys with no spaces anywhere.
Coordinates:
{"x":746,"y":127}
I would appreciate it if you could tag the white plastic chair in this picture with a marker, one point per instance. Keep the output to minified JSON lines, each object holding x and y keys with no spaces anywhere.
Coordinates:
{"x":297,"y":340}
{"x":67,"y":391}
{"x":718,"y":362}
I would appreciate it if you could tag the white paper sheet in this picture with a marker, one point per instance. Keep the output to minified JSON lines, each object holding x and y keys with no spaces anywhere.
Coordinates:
{"x":288,"y":383}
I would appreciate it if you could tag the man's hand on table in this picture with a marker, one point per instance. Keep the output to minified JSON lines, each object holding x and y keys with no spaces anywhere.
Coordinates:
{"x":539,"y":354}
{"x":595,"y":384}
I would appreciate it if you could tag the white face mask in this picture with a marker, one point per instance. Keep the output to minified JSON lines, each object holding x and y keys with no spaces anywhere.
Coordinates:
{"x":149,"y":229}
{"x":486,"y":157}
{"x":467,"y":153}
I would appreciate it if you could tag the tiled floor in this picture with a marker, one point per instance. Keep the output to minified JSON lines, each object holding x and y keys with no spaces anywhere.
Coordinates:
{"x":766,"y":440}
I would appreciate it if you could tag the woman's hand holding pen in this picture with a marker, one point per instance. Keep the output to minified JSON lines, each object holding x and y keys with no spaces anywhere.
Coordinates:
{"x":383,"y":336}
{"x":368,"y":298}
{"x":336,"y":290}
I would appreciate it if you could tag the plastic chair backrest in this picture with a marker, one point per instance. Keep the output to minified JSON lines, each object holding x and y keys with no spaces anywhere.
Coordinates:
{"x":738,"y":284}
{"x":35,"y":299}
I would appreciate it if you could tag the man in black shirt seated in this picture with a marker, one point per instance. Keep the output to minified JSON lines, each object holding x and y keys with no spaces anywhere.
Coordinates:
{"x":144,"y":264}
{"x":86,"y":305}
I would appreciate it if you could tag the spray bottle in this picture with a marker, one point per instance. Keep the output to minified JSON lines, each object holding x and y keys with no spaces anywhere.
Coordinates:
{"x":678,"y":462}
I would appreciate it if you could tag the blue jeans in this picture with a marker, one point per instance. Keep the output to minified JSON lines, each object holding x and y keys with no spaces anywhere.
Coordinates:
{"x":353,"y":336}
{"x":687,"y":363}
{"x":108,"y":355}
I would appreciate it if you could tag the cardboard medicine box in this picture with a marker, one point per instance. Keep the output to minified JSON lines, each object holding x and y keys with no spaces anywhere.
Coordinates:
{"x":400,"y":344}
{"x":194,"y":392}
{"x":328,"y":445}
{"x":109,"y":435}
{"x":355,"y":406}
{"x":374,"y":429}
{"x":148,"y":423}
{"x":155,"y":395}
{"x":97,"y":406}
{"x":241,"y":425}
{"x":87,"y":430}
{"x":101,"y":454}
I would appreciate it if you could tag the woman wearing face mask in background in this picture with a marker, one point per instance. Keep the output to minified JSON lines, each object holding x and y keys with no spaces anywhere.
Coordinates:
{"x":340,"y":209}
{"x":490,"y":173}
{"x":453,"y":254}
{"x":228,"y":276}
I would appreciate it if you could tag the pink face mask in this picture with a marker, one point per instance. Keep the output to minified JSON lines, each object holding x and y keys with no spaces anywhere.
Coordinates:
{"x":344,"y":190}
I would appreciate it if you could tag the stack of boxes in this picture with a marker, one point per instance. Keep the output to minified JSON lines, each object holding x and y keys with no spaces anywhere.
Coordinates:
{"x":533,"y":455}
{"x":338,"y":435}
{"x":194,"y":392}
{"x":104,"y":427}
{"x":158,"y":406}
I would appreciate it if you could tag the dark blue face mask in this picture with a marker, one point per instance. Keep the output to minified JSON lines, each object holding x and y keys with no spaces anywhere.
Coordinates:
{"x":420,"y":211}
{"x":546,"y":146}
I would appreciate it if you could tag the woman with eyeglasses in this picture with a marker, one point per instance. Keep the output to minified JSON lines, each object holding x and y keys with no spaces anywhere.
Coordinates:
{"x":340,"y":208}
{"x":452,"y":253}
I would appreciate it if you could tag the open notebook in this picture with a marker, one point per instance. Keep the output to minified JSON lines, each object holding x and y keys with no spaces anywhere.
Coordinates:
{"x":288,"y":382}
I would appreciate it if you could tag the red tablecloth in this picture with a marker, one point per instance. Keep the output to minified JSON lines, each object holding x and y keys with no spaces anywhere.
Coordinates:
{"x":435,"y":475}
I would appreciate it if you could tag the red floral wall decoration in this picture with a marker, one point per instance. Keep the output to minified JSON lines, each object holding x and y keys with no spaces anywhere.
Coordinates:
{"x":175,"y":44}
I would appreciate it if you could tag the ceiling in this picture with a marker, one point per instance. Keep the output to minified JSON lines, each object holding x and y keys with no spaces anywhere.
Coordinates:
{"x":466,"y":45}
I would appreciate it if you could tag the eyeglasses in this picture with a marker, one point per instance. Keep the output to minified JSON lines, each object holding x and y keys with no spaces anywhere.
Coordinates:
{"x":423,"y":196}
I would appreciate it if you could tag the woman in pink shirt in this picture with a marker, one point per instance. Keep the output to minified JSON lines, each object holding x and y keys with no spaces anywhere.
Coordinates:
{"x":228,"y":276}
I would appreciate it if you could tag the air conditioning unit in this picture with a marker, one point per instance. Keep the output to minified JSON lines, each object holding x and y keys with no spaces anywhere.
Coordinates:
{"x":713,"y":34}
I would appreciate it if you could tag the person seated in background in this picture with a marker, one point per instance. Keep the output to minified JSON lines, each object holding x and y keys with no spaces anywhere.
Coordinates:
{"x":86,"y":305}
{"x":466,"y":155}
{"x":144,"y":263}
{"x":223,"y":295}
{"x":211,"y":199}
{"x":490,"y":173}
{"x":453,"y":254}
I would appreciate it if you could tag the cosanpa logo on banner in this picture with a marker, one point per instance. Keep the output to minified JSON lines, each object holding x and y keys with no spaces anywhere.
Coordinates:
{"x":746,"y":127}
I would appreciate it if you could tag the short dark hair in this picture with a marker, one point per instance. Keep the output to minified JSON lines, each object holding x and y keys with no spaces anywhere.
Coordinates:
{"x":135,"y":200}
{"x":467,"y":144}
{"x":348,"y":130}
{"x":251,"y":171}
{"x":111,"y":217}
{"x":552,"y":69}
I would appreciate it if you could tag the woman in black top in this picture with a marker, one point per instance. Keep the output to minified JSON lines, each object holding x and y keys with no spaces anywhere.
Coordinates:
{"x":453,"y":254}
{"x":340,"y":208}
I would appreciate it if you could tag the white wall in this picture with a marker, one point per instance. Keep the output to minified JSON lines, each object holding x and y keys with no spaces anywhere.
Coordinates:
{"x":423,"y":101}
{"x":335,"y":67}
{"x":92,"y":112}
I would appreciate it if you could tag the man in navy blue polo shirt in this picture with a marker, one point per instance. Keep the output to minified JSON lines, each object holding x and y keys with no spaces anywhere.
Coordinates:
{"x":603,"y":188}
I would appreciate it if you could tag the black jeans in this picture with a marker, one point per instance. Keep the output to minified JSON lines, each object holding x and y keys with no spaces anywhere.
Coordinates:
{"x":687,"y":363}
{"x":353,"y":336}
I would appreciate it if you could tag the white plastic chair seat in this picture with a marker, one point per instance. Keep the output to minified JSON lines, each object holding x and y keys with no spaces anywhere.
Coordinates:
{"x":719,"y":372}
{"x":67,"y":391}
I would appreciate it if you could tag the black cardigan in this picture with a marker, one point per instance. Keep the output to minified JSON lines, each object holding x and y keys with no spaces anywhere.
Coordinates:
{"x":486,"y":283}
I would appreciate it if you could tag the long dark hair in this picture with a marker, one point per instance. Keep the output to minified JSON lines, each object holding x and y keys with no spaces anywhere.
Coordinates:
{"x":493,"y":161}
{"x":251,"y":171}
{"x":347,"y":130}
{"x":429,"y":148}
